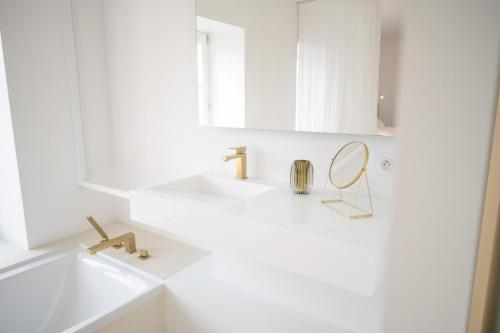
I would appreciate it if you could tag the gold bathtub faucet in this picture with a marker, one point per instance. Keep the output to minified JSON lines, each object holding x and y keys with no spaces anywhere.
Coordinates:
{"x":127,"y":240}
{"x":241,"y":166}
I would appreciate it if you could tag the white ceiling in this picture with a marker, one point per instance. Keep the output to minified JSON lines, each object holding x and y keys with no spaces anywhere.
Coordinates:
{"x":392,"y":16}
{"x":392,"y":12}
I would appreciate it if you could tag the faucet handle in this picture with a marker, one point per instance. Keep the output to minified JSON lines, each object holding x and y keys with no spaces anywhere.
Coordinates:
{"x":240,"y":149}
{"x":98,"y":228}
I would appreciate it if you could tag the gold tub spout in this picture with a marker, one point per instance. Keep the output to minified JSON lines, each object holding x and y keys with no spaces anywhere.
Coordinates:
{"x":127,"y":239}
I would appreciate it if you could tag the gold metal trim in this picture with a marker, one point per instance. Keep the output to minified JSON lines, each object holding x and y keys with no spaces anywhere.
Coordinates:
{"x":127,"y":240}
{"x":241,"y":166}
{"x":98,"y":228}
{"x":144,"y":255}
{"x":331,"y":203}
{"x":363,"y":168}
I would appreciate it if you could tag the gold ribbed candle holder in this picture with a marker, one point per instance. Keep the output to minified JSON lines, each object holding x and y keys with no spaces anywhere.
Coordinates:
{"x":301,"y":176}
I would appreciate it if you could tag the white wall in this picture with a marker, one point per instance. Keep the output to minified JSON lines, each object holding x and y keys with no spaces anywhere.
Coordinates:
{"x":39,"y":80}
{"x":154,"y":116}
{"x":336,"y":305}
{"x":195,"y":302}
{"x":12,"y":224}
{"x":448,"y":91}
{"x":450,"y":62}
{"x":92,"y":69}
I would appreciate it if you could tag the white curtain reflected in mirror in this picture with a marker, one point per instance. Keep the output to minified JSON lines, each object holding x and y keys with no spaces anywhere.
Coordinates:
{"x":338,"y":66}
{"x":221,"y":73}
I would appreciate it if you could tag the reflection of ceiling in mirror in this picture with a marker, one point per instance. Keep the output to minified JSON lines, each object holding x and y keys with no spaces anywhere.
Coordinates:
{"x":392,"y":12}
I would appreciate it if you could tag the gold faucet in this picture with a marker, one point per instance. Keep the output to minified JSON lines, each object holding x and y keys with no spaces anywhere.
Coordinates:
{"x":241,"y":166}
{"x":127,"y":240}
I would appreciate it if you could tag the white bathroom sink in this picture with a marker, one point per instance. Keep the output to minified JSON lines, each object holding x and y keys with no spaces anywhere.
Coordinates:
{"x":231,"y":216}
{"x":217,"y":191}
{"x":70,"y":291}
{"x":198,"y":193}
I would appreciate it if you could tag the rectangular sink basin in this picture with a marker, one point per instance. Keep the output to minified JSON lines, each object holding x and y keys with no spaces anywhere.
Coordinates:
{"x":160,"y":203}
{"x":211,"y":190}
{"x":71,"y":291}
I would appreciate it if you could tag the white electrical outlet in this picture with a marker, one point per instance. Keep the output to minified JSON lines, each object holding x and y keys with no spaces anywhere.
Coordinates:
{"x":384,"y":163}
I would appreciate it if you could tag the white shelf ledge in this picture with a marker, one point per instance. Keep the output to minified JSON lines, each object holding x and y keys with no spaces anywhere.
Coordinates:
{"x":106,"y":189}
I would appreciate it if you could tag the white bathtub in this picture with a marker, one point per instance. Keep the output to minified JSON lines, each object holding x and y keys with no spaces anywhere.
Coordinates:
{"x":70,"y":291}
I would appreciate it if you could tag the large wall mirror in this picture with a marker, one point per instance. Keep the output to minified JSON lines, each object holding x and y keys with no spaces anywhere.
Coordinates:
{"x":313,"y":65}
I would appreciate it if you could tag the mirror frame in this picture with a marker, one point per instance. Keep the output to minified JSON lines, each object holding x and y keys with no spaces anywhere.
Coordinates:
{"x":362,"y":169}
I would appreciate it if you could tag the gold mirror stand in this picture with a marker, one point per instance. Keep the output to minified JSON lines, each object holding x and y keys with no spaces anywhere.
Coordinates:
{"x":355,"y":211}
{"x":353,"y":207}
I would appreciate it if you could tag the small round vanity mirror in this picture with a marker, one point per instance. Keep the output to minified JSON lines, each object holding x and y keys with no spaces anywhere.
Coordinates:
{"x":348,"y":164}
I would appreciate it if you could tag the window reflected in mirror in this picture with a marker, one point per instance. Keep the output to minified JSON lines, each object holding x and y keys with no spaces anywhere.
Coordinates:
{"x":221,"y":73}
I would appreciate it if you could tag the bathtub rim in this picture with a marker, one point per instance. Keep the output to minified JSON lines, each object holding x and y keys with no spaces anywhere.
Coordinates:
{"x":102,"y":318}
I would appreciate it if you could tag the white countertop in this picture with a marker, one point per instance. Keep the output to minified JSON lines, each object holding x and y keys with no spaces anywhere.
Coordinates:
{"x":290,"y":231}
{"x":167,"y":256}
{"x":305,"y":213}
